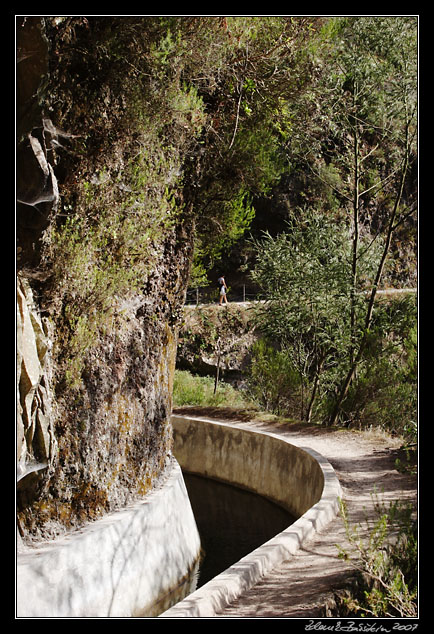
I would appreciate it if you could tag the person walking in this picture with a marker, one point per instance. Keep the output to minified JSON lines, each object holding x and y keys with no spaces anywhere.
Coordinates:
{"x":223,"y":290}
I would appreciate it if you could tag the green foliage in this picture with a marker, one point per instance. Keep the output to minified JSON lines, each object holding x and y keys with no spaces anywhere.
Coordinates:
{"x":189,"y":389}
{"x":187,"y":119}
{"x":356,"y":121}
{"x":172,"y":118}
{"x":383,"y":393}
{"x":230,"y":219}
{"x":243,"y":95}
{"x":198,"y":273}
{"x":387,"y":561}
{"x":305,"y":278}
{"x":306,"y":283}
{"x":272,"y":381}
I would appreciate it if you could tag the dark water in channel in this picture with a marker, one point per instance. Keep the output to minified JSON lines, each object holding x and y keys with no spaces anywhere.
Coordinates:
{"x":231,"y":522}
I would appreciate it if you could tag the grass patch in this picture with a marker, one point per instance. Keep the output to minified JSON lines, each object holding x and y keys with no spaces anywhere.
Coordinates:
{"x":190,"y":389}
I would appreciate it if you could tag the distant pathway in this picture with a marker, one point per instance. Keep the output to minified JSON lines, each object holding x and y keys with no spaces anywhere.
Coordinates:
{"x":364,"y":464}
{"x":239,"y":302}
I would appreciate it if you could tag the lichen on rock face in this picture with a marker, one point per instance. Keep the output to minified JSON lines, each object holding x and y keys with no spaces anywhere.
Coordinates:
{"x":112,"y":435}
{"x":129,"y":157}
{"x":105,"y":262}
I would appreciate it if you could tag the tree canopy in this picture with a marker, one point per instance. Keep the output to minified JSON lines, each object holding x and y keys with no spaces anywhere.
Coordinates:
{"x":190,"y":120}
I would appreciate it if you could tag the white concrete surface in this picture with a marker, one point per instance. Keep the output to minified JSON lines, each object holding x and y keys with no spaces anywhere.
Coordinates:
{"x":220,"y":446}
{"x":121,"y":565}
{"x":118,"y":566}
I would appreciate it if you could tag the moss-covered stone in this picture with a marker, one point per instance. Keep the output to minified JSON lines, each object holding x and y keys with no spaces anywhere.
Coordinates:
{"x":108,"y":268}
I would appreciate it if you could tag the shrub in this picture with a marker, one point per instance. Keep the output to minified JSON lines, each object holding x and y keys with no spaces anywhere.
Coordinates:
{"x":386,"y":561}
{"x":273,"y":382}
{"x":384,"y":391}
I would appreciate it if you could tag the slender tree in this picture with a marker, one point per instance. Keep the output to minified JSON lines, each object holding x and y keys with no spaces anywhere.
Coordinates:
{"x":380,"y":77}
{"x":355,"y":132}
{"x":358,"y":141}
{"x":305,"y":279}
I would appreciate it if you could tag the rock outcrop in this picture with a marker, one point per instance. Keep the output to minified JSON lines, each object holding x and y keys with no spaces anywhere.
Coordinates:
{"x":36,"y":445}
{"x":93,"y":444}
{"x":214,"y":335}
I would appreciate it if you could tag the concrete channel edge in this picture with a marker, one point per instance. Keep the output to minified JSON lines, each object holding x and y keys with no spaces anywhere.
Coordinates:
{"x":226,"y":587}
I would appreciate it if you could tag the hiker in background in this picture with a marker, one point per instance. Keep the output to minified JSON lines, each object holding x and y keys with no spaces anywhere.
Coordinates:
{"x":223,"y":289}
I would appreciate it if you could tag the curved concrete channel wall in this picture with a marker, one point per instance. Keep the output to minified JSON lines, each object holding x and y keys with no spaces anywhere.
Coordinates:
{"x":123,"y":564}
{"x":119,"y":566}
{"x":299,"y":479}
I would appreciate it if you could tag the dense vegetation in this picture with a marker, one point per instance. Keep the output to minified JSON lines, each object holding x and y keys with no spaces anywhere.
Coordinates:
{"x":172,"y":126}
{"x":195,"y":120}
{"x":346,"y":144}
{"x":344,"y":205}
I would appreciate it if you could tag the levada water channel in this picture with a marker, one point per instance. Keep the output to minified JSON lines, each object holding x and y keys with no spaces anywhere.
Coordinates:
{"x":231,"y":523}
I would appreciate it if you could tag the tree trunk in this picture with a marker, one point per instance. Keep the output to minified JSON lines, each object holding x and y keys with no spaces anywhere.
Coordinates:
{"x":355,"y":245}
{"x":217,"y":372}
{"x":314,"y":390}
{"x":368,"y":318}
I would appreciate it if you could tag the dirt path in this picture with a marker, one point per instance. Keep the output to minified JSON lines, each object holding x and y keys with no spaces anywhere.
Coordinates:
{"x":365,"y":465}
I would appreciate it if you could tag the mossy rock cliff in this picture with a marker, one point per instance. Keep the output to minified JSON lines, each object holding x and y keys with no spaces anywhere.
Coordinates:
{"x":103,"y":260}
{"x":133,"y":154}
